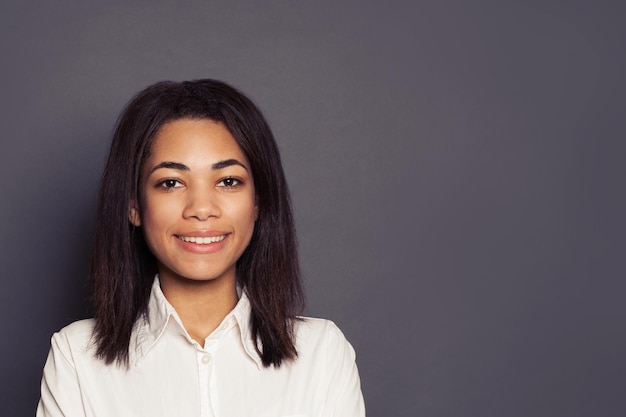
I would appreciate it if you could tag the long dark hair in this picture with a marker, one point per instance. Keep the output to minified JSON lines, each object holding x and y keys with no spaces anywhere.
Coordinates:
{"x":123,"y":268}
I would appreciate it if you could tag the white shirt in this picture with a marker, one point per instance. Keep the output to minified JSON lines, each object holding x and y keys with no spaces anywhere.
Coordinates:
{"x":171,"y":375}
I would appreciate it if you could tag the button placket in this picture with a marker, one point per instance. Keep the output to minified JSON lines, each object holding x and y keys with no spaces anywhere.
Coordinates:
{"x":205,"y":376}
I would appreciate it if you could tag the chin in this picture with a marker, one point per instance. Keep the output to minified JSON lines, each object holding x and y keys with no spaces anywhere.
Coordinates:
{"x":197,"y":275}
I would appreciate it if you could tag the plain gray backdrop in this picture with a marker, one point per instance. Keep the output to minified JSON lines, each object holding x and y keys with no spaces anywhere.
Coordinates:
{"x":456,"y":167}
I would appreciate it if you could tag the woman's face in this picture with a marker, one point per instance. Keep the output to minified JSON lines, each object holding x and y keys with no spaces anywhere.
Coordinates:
{"x":197,"y":201}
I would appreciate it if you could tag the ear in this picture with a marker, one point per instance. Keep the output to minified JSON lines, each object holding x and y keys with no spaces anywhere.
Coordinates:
{"x":133,"y":214}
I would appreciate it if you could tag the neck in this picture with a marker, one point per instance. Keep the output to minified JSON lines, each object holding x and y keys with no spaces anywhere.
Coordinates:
{"x":201,"y":305}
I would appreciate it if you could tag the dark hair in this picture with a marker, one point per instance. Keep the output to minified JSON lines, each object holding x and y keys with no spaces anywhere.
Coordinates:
{"x":123,"y":268}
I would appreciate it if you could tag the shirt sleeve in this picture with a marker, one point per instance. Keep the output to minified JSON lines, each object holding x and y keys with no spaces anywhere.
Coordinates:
{"x":344,"y":398}
{"x":60,"y":390}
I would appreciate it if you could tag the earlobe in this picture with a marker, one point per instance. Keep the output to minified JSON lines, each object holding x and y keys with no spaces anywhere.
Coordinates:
{"x":133,"y":215}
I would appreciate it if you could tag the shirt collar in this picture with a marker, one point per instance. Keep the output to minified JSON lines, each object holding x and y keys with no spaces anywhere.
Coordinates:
{"x":150,"y":328}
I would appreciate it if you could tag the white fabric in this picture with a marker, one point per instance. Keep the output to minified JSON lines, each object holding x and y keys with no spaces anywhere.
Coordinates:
{"x":172,"y":375}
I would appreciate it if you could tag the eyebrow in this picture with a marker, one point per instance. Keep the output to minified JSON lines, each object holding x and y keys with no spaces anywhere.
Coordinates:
{"x":228,"y":163}
{"x":182,"y":167}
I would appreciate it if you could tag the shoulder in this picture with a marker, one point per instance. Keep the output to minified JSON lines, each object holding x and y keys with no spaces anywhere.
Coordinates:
{"x":77,"y":330}
{"x":313,"y":334}
{"x":311,"y":326}
{"x":328,"y":361}
{"x":75,"y":337}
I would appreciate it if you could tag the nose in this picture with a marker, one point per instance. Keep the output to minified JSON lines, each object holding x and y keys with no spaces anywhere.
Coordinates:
{"x":201,"y":204}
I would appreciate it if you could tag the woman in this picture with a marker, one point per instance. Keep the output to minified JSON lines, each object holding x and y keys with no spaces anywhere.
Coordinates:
{"x":196,"y":278}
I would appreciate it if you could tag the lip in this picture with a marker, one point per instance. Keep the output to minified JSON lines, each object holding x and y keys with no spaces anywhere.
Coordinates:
{"x":202,"y":233}
{"x":202,"y":248}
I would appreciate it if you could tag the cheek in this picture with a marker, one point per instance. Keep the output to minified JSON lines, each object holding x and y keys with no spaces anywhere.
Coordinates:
{"x":158,"y":217}
{"x":246,"y":215}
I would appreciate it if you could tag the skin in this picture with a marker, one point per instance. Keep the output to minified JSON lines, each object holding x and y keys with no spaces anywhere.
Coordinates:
{"x":197,"y":183}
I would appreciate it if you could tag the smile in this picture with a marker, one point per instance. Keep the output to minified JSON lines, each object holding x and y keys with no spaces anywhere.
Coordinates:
{"x":202,"y":240}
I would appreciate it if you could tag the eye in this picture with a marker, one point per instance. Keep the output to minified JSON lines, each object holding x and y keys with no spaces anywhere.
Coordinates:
{"x":169,"y":184}
{"x":229,"y":182}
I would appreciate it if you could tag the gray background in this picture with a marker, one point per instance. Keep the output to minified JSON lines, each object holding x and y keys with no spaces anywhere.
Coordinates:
{"x":456,"y":168}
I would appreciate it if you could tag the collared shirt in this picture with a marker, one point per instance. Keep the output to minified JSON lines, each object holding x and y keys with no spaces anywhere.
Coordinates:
{"x":171,"y":375}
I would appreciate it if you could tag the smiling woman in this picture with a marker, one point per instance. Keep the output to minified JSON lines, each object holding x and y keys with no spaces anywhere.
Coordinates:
{"x":198,"y":214}
{"x":196,"y":279}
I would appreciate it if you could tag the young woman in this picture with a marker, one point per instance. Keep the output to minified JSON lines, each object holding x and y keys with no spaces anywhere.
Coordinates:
{"x":195,"y":276}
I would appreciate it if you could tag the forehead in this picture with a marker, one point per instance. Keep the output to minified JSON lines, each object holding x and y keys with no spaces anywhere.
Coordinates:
{"x":194,"y":141}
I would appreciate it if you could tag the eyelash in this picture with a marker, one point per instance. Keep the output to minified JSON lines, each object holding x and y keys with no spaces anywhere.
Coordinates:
{"x":235,"y":182}
{"x":171,"y":183}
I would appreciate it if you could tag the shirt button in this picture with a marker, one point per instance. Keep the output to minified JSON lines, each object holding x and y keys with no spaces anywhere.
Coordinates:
{"x":206,"y":359}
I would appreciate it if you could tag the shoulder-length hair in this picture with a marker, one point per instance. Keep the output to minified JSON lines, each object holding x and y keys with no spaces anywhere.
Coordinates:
{"x":122,"y":267}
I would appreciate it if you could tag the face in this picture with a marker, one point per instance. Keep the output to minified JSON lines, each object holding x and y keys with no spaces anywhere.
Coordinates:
{"x":197,"y":201}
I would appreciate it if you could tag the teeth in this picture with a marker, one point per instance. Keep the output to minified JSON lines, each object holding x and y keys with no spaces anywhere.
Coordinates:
{"x":202,"y":240}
